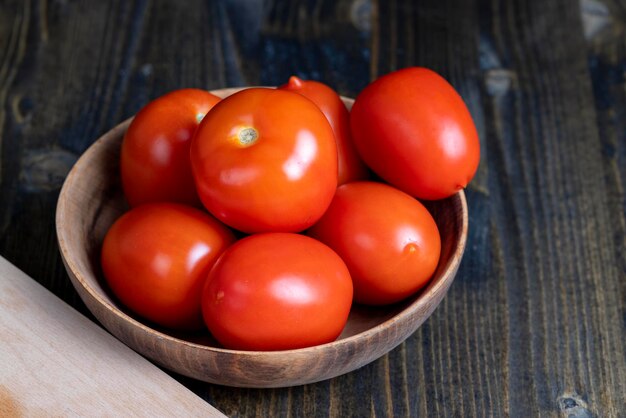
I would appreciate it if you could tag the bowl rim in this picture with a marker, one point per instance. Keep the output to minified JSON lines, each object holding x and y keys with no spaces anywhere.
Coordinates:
{"x":433,"y":288}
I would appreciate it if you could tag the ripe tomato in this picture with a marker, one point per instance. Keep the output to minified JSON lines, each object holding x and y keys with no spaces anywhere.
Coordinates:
{"x":389,"y":240}
{"x":351,"y":168}
{"x":277,"y":291}
{"x":155,"y":163}
{"x":413,"y":129}
{"x":265,"y":160}
{"x":156,"y":258}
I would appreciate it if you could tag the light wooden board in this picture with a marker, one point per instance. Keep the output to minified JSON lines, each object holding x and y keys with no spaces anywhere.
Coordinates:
{"x":56,"y":362}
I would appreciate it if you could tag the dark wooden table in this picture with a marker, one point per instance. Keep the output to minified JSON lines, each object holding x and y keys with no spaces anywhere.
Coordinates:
{"x":534,"y":324}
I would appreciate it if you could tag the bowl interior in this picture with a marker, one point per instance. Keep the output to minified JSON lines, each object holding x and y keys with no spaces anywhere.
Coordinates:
{"x":91,"y":200}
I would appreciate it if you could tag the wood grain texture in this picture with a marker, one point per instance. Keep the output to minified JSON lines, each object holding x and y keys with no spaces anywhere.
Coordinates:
{"x":56,"y":362}
{"x":535,"y":323}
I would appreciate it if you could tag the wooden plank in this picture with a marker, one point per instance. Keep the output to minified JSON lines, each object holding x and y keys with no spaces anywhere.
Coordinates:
{"x":553,"y":219}
{"x":56,"y":362}
{"x":532,"y":325}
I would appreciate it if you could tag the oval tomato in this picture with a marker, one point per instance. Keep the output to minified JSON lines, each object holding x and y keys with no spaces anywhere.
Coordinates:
{"x":351,"y":168}
{"x":413,"y":129}
{"x":156,"y":258}
{"x":154,"y":161}
{"x":388,"y":240}
{"x":265,"y":160}
{"x":277,"y":291}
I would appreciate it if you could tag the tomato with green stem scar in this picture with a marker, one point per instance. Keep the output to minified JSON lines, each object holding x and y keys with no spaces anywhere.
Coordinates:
{"x":265,"y":160}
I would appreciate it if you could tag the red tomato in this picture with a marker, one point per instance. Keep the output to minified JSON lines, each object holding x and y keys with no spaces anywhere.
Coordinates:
{"x":389,"y":240}
{"x":156,"y":258}
{"x":155,"y":163}
{"x":413,"y":129}
{"x":277,"y":291}
{"x":265,"y":160}
{"x":351,"y":168}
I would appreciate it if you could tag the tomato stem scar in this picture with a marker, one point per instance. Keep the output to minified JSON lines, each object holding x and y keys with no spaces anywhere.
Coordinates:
{"x":295,"y":83}
{"x":410,"y":248}
{"x":247,"y":136}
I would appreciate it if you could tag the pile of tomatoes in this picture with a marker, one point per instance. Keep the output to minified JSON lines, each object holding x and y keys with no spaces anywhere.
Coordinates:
{"x":265,"y":215}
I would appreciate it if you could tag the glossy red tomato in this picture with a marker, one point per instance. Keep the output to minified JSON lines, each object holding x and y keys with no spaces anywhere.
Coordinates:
{"x":265,"y":160}
{"x":156,"y":258}
{"x":277,"y":291}
{"x":351,"y":168}
{"x":413,"y":129}
{"x":389,"y":240}
{"x":155,"y":163}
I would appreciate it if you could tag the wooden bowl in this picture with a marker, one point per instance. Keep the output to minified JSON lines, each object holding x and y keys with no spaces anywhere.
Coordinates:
{"x":91,"y":199}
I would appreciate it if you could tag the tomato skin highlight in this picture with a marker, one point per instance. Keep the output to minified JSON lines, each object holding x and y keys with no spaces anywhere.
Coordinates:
{"x":351,"y":168}
{"x":277,"y":291}
{"x":154,"y":160}
{"x":414,"y":130}
{"x":388,"y":240}
{"x":265,"y":160}
{"x":156,"y":258}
